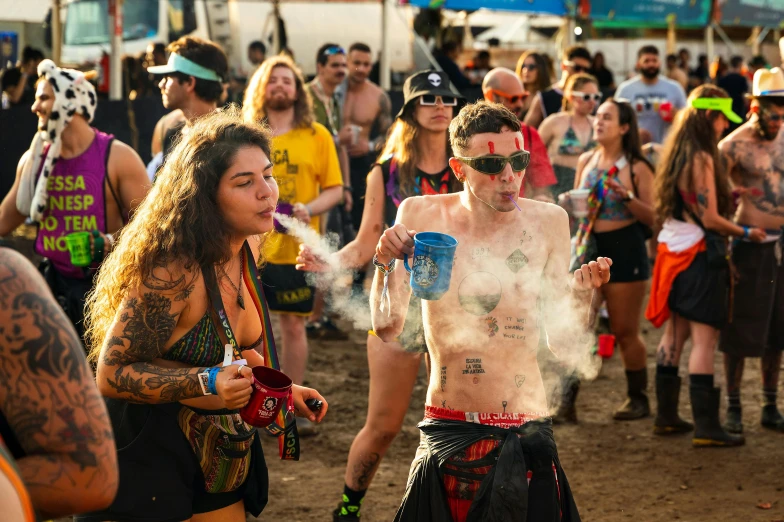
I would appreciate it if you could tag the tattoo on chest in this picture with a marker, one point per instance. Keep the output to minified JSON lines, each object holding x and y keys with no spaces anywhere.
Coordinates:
{"x":519,"y":380}
{"x":516,"y":261}
{"x":514,"y":328}
{"x":479,"y":293}
{"x":443,"y":378}
{"x":526,"y":238}
{"x":492,"y":326}
{"x":761,"y":167}
{"x":480,"y":253}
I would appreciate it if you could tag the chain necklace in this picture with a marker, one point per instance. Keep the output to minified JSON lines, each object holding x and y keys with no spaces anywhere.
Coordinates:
{"x":240,"y":299}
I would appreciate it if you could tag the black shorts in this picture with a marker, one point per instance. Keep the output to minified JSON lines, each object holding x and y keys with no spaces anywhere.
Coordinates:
{"x":701,"y":293}
{"x":756,"y":327}
{"x":626,"y":248}
{"x":286,"y":289}
{"x":160,"y":477}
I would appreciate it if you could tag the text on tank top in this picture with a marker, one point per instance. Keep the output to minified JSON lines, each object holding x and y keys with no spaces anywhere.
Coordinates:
{"x":76,"y":203}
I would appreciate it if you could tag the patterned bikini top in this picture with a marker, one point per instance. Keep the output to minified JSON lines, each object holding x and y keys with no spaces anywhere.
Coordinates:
{"x":613,"y":206}
{"x":571,"y":145}
{"x":202,"y":345}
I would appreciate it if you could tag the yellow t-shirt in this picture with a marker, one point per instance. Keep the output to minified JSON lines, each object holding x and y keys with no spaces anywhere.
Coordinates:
{"x":305,"y":162}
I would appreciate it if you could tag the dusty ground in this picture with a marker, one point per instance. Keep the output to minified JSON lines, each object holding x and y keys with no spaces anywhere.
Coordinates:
{"x":618,"y":471}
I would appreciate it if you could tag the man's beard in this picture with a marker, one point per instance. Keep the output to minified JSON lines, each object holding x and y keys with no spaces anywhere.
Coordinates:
{"x":761,"y":126}
{"x":650,"y":73}
{"x":280,"y":104}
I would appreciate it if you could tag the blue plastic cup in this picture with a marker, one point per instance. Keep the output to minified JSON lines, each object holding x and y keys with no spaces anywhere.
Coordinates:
{"x":434,"y":255}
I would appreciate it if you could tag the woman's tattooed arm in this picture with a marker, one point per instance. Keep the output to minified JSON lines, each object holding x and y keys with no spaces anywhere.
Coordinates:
{"x":50,"y":400}
{"x":144,"y":324}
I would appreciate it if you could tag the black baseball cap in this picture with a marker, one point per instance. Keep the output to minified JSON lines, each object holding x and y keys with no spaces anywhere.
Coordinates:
{"x":426,"y":82}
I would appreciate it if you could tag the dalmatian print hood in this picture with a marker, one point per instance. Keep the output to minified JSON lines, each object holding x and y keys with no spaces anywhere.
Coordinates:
{"x":73,"y":94}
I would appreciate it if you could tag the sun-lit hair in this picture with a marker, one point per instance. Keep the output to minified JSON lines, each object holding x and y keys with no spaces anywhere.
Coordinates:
{"x":179,"y":223}
{"x":402,"y":142}
{"x":575,"y":83}
{"x":690,"y":136}
{"x":543,"y":72}
{"x":254,"y":105}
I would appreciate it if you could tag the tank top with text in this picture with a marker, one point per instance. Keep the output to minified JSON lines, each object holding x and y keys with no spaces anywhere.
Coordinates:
{"x":76,"y":203}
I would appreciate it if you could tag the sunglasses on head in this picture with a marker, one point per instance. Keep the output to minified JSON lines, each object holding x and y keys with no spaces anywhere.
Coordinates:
{"x":529,"y":66}
{"x":432,"y":99}
{"x":513,"y":98}
{"x":492,"y":164}
{"x":331,"y":51}
{"x":577,"y":68}
{"x":584,"y":96}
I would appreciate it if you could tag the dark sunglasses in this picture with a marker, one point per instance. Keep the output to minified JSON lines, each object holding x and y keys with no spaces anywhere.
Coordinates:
{"x":584,"y":96}
{"x":432,"y":99}
{"x":773,"y":117}
{"x":529,"y":66}
{"x":577,"y":68}
{"x":492,"y":164}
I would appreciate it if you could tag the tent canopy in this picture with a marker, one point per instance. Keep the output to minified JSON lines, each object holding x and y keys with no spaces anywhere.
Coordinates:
{"x":552,"y":7}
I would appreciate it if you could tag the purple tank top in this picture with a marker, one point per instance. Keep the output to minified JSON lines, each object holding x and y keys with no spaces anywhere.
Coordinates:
{"x":76,"y":203}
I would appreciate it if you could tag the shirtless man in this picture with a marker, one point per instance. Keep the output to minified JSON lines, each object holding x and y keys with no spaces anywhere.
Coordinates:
{"x":367,"y":107}
{"x":755,"y":162}
{"x":482,"y":334}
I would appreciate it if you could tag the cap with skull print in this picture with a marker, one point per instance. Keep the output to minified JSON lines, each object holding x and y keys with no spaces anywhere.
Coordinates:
{"x":426,"y":82}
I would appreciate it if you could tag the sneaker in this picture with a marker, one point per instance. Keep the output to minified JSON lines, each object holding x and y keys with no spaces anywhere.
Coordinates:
{"x":342,"y":515}
{"x":313,"y":330}
{"x":331,"y":332}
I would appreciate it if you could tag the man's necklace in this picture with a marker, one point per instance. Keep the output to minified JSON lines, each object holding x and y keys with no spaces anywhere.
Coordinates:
{"x":240,"y":299}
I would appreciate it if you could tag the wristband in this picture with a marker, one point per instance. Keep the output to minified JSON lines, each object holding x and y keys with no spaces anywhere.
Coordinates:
{"x":746,"y":231}
{"x":211,"y":379}
{"x":385,"y":269}
{"x":310,"y":212}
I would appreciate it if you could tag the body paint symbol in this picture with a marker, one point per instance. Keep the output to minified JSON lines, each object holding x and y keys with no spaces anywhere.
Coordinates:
{"x":517,"y":143}
{"x":491,"y":145}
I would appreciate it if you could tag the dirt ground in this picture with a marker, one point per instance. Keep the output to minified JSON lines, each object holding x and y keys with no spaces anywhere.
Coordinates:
{"x":618,"y":471}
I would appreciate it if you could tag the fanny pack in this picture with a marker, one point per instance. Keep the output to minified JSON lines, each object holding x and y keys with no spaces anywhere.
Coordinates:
{"x":221,"y":440}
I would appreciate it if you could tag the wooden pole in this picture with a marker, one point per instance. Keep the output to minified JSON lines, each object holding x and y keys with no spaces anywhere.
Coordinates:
{"x":115,"y":53}
{"x":57,"y":32}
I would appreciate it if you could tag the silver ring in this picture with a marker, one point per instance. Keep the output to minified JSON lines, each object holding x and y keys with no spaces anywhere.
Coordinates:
{"x":239,"y":369}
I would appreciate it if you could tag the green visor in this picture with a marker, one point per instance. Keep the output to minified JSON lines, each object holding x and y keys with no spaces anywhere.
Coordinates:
{"x":717,"y":104}
{"x":183,"y":65}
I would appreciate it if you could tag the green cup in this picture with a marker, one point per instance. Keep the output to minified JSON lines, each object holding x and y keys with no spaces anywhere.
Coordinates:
{"x":79,"y":247}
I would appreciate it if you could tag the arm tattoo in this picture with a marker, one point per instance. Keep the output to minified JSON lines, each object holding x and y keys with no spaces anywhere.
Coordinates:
{"x":49,"y":398}
{"x":702,"y":202}
{"x":384,"y":114}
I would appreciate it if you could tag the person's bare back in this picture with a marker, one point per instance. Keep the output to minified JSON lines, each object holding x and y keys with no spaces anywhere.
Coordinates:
{"x":756,"y":165}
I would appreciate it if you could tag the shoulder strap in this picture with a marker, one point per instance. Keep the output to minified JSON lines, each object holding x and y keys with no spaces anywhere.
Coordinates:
{"x":218,"y":315}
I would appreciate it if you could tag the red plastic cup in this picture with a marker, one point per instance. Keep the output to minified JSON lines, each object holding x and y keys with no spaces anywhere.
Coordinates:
{"x":271,"y":389}
{"x":666,"y":112}
{"x":606,"y":346}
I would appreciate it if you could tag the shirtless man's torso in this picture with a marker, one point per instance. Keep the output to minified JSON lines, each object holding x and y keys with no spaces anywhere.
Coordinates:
{"x":510,"y":272}
{"x":754,"y":154}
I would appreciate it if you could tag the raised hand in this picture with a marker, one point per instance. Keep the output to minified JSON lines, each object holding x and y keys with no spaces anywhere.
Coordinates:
{"x":592,"y":275}
{"x":307,"y":261}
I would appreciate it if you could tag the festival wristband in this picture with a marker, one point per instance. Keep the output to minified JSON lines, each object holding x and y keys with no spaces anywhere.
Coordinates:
{"x":746,"y":231}
{"x":212,"y":378}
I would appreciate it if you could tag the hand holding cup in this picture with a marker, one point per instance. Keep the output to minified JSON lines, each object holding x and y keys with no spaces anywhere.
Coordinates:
{"x":395,"y":243}
{"x":234,"y":386}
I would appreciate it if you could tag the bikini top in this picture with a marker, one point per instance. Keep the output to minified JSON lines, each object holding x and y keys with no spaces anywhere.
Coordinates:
{"x":571,"y":145}
{"x":202,"y":345}
{"x":613,"y":207}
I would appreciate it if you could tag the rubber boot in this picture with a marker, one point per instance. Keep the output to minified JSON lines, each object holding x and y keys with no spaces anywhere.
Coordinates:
{"x":708,"y":431}
{"x":668,"y":422}
{"x":734,"y":421}
{"x":567,"y":412}
{"x":771,"y":418}
{"x":636,"y":405}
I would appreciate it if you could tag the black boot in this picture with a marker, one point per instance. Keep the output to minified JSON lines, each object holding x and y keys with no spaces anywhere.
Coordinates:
{"x":636,"y":405}
{"x":734,"y":421}
{"x":771,"y":418}
{"x":708,"y":431}
{"x":668,"y":391}
{"x":567,"y":412}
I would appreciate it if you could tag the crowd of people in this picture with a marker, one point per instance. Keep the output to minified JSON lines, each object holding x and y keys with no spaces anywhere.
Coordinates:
{"x":153,"y":270}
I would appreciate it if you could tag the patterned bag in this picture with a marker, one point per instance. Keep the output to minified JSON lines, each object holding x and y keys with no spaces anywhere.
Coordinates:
{"x":221,"y":443}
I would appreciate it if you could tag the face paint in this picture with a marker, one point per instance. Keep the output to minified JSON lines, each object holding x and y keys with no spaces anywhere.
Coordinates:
{"x":492,"y":178}
{"x":491,"y":145}
{"x":517,"y":143}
